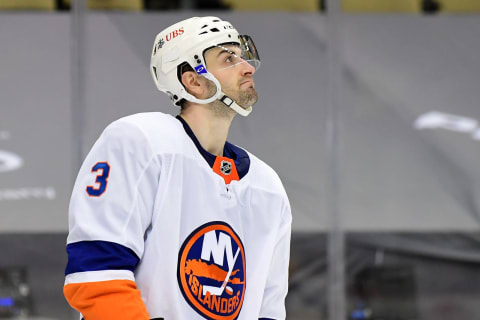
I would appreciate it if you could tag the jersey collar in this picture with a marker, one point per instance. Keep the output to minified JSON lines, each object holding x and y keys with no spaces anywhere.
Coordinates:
{"x":230,"y":151}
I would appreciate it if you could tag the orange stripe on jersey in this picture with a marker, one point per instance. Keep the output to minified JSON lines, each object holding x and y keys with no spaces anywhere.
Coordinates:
{"x":225,"y":167}
{"x":107,"y":300}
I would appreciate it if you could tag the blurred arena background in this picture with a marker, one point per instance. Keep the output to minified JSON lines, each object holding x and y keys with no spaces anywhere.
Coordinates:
{"x":377,"y":144}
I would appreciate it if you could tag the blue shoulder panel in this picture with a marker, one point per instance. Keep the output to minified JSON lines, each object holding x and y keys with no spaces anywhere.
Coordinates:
{"x":99,"y":255}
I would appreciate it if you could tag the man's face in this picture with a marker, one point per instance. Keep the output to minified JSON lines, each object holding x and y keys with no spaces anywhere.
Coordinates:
{"x":234,"y":74}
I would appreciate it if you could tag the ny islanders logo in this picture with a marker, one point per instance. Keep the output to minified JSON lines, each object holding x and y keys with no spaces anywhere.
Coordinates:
{"x":211,"y":271}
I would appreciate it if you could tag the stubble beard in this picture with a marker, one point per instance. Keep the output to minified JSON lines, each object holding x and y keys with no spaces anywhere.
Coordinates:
{"x":247,"y":98}
{"x":244,"y":99}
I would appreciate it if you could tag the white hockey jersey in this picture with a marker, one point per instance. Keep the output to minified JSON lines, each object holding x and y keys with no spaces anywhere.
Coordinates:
{"x":154,"y":215}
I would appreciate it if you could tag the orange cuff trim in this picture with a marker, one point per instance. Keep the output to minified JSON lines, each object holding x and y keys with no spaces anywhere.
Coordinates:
{"x":107,"y":300}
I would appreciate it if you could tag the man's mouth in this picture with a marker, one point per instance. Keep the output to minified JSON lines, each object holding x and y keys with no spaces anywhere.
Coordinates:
{"x":247,"y":82}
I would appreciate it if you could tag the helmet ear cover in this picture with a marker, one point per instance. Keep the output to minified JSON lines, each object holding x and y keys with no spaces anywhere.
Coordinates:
{"x":181,"y":69}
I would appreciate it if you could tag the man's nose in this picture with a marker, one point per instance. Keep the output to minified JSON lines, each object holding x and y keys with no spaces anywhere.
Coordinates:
{"x":247,"y":68}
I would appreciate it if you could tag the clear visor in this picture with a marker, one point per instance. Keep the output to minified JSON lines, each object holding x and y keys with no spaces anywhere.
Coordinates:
{"x":230,"y":55}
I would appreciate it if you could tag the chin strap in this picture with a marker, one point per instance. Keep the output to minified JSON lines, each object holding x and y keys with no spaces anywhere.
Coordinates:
{"x":229,"y":102}
{"x":216,"y":96}
{"x":219,"y":95}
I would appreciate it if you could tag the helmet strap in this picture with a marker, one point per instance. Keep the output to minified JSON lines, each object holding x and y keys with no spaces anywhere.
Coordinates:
{"x":219,"y":95}
{"x":229,"y":102}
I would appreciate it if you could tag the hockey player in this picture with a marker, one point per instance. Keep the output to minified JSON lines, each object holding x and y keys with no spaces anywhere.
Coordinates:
{"x":167,"y":219}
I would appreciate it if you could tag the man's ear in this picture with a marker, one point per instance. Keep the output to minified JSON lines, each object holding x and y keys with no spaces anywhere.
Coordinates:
{"x":190,"y":80}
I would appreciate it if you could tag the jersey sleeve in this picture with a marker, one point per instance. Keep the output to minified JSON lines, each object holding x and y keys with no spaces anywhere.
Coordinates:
{"x":276,"y":288}
{"x":110,"y":211}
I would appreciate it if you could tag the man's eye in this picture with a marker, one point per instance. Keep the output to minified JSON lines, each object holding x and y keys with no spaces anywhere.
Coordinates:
{"x":228,"y":59}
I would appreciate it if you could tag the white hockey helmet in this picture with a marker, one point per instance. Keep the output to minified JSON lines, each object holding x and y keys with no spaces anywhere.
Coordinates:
{"x":186,"y":43}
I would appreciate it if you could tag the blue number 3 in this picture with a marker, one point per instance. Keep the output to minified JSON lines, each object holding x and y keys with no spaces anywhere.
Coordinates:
{"x":101,"y":180}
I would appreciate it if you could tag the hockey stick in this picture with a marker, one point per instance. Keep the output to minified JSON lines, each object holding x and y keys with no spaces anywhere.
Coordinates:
{"x":217,"y":291}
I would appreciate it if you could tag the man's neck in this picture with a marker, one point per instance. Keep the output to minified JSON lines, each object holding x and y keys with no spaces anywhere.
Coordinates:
{"x":209,"y":126}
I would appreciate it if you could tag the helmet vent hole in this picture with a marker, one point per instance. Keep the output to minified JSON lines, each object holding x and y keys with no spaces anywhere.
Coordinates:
{"x":214,"y":30}
{"x":155,"y":72}
{"x":203,"y":32}
{"x":216,"y":20}
{"x":204,"y":26}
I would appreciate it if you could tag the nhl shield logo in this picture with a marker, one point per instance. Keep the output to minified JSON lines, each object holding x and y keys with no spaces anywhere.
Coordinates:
{"x":211,"y":271}
{"x":225,"y":167}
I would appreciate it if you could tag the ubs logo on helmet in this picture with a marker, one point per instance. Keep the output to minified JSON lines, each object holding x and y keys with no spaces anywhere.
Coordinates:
{"x":174,"y":34}
{"x":211,"y":271}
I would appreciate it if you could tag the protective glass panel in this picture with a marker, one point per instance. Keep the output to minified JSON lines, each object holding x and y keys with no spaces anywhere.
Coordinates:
{"x":409,"y":175}
{"x":249,"y":51}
